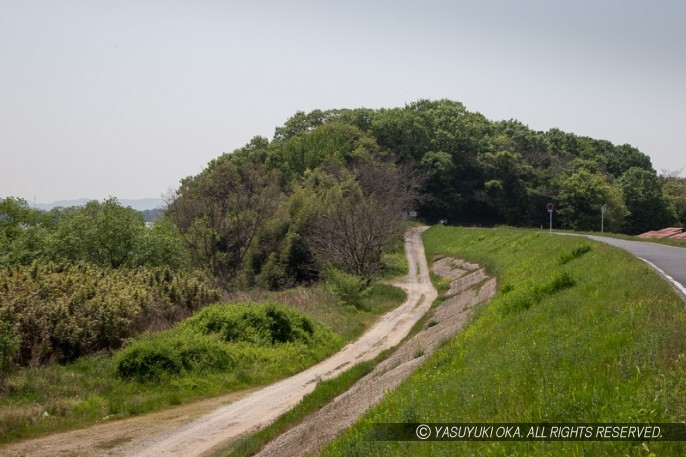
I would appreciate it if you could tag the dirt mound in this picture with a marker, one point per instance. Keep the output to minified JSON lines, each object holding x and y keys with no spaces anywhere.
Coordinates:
{"x":676,"y":233}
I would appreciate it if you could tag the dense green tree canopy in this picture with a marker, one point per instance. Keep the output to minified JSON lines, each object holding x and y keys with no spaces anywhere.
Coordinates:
{"x":648,"y":207}
{"x":324,"y":198}
{"x":582,"y":196}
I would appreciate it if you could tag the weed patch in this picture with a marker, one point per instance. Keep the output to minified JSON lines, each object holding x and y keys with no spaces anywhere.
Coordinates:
{"x":523,"y":298}
{"x":574,"y":254}
{"x":186,"y":362}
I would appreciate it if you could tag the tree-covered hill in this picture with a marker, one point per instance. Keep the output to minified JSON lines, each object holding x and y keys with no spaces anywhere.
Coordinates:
{"x":329,"y":182}
{"x":479,"y":171}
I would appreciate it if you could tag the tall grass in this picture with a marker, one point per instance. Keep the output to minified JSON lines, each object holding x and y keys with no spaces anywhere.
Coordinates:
{"x":574,"y":334}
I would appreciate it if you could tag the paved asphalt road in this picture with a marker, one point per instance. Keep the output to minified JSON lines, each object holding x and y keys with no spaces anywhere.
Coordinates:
{"x":669,"y":261}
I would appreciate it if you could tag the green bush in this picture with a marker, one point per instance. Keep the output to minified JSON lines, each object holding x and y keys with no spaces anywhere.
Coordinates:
{"x":559,"y":281}
{"x":9,"y":346}
{"x":171,"y":354}
{"x":525,"y":296}
{"x":262,"y":324}
{"x":148,"y":361}
{"x":574,"y":254}
{"x":224,"y":337}
{"x":349,"y":289}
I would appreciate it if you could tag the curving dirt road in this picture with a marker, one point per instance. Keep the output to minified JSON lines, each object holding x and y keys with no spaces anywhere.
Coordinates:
{"x":469,"y":286}
{"x":180,"y":432}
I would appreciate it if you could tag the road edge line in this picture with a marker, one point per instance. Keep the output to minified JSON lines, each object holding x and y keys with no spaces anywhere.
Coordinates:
{"x":676,"y":284}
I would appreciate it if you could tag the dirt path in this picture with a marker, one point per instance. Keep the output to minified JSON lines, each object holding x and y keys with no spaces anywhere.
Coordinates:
{"x":186,"y":431}
{"x":469,"y":286}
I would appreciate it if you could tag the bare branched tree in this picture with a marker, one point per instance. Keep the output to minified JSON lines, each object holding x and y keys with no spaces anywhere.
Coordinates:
{"x":362,"y":215}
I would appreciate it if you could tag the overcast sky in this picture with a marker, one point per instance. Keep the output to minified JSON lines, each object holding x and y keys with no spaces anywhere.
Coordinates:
{"x":124,"y":98}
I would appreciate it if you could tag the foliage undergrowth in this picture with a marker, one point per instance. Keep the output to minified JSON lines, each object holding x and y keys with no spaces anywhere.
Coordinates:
{"x":227,"y":338}
{"x":349,"y":289}
{"x":578,"y":332}
{"x":88,"y":390}
{"x":58,"y":312}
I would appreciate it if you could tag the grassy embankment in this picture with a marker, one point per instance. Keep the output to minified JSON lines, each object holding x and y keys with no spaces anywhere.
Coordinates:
{"x":578,"y":332}
{"x":59,"y":397}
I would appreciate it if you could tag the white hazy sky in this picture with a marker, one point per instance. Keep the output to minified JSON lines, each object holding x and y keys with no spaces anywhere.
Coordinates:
{"x":126,"y":97}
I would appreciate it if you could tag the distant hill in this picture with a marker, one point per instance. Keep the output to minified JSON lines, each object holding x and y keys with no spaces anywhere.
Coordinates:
{"x":140,"y":204}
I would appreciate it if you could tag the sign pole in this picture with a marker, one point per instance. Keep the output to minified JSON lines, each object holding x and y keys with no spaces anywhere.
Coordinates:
{"x":602,"y":218}
{"x":550,"y":207}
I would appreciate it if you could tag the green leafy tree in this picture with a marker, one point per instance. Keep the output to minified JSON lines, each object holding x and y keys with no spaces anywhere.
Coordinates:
{"x":674,"y":188}
{"x":220,"y":212}
{"x":582,"y":195}
{"x":505,"y":187}
{"x":23,"y":232}
{"x":404,"y":132}
{"x":620,"y":159}
{"x":332,"y":142}
{"x":281,"y":258}
{"x":649,"y":208}
{"x":107,"y":234}
{"x":163,"y":245}
{"x":302,"y":122}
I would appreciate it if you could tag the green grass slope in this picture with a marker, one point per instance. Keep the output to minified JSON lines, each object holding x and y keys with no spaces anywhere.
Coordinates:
{"x":578,"y":332}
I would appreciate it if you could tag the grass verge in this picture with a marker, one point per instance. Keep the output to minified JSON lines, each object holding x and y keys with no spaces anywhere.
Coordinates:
{"x":578,"y":332}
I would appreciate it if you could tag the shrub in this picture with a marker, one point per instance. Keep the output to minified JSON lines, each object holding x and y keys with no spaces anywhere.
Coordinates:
{"x":63,"y":311}
{"x":262,"y":324}
{"x":559,"y":281}
{"x":169,"y":354}
{"x":349,"y":289}
{"x":9,"y":346}
{"x":148,"y":361}
{"x":225,"y":337}
{"x":524,"y":297}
